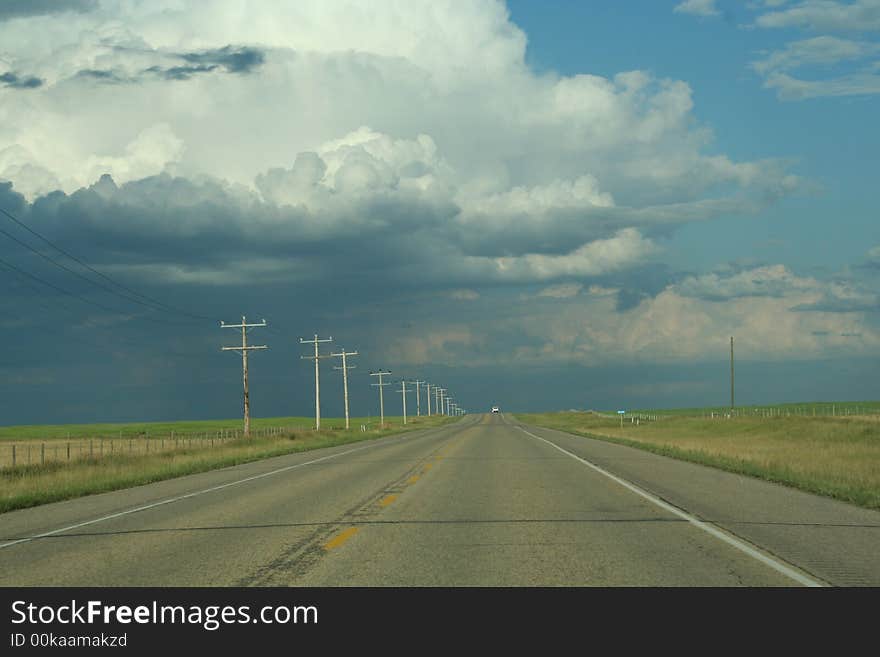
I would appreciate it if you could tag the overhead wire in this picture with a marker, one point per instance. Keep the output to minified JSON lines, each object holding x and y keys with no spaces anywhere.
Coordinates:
{"x":152,"y":303}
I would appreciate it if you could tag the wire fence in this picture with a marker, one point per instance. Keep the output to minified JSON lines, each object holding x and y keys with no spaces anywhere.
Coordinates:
{"x":812,"y":410}
{"x":41,"y":452}
{"x":806,"y":410}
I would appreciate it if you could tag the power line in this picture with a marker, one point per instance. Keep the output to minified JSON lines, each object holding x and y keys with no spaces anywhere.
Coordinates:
{"x":60,"y":289}
{"x":154,"y":302}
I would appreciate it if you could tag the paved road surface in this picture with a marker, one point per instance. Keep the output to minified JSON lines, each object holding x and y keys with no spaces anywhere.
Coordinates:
{"x":482,"y":502}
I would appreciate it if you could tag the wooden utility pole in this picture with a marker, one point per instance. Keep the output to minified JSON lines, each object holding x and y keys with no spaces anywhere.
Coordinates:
{"x":428,"y":396}
{"x":345,"y":369}
{"x":244,"y":349}
{"x":731,"y":374}
{"x":381,"y":385}
{"x":316,"y":358}
{"x":418,"y":385}
{"x":403,"y":392}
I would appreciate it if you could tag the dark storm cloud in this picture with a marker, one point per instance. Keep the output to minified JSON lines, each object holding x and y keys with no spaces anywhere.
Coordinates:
{"x":20,"y":8}
{"x":104,"y":76}
{"x":163,"y":221}
{"x":234,"y":60}
{"x":179,"y":72}
{"x":229,"y":59}
{"x":15,"y":81}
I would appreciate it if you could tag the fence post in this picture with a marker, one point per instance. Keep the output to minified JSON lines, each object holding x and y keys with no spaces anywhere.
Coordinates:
{"x":13,"y":455}
{"x":68,"y":451}
{"x":42,"y":453}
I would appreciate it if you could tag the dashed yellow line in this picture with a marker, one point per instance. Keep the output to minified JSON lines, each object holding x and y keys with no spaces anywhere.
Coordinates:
{"x":412,"y":479}
{"x":341,"y":538}
{"x":427,"y":466}
{"x":388,"y":499}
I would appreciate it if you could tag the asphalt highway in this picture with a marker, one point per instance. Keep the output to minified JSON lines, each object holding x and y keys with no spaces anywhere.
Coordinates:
{"x":481,"y":502}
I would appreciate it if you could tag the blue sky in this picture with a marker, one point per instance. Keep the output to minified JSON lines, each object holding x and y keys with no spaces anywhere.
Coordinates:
{"x":542,"y":205}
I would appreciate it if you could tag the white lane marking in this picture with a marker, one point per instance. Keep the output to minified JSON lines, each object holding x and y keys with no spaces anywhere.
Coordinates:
{"x":187,"y":496}
{"x":709,"y":529}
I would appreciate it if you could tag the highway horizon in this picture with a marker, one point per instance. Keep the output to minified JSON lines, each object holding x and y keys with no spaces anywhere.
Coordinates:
{"x":485,"y":501}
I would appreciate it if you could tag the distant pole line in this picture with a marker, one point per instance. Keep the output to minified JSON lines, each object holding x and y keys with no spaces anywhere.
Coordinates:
{"x":244,"y":349}
{"x":317,"y":357}
{"x":428,"y":396}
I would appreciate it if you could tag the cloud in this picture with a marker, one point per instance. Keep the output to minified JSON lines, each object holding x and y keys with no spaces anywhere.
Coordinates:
{"x":464,"y":295}
{"x":860,"y":15}
{"x":21,"y":8}
{"x":319,"y":150}
{"x":768,"y":281}
{"x":561,"y":291}
{"x":697,"y":8}
{"x":14,"y":81}
{"x":824,"y":52}
{"x":791,"y":88}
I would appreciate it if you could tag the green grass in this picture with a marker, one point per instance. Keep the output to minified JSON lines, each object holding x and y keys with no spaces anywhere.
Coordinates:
{"x":837,"y":457}
{"x":181,"y":428}
{"x":31,"y":485}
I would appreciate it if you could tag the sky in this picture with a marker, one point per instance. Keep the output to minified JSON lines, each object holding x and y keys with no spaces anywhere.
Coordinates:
{"x":540,"y":205}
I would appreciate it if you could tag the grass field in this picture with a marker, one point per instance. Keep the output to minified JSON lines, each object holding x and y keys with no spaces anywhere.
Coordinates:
{"x":835,"y":456}
{"x":31,"y":484}
{"x":194,"y":428}
{"x":804,"y":409}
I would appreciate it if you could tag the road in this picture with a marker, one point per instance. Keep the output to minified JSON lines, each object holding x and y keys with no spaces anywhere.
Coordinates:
{"x":484,"y":501}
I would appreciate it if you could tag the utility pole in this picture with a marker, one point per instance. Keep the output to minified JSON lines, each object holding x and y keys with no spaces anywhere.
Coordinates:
{"x":418,"y":385}
{"x":731,"y":374}
{"x":440,"y":392}
{"x":403,"y":392}
{"x":316,"y":358}
{"x":345,"y":369}
{"x":428,"y":397}
{"x":381,"y":385}
{"x":448,"y":404}
{"x":244,"y":349}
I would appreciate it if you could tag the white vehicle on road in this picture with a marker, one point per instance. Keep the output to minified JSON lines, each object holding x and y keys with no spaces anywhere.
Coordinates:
{"x":495,"y":409}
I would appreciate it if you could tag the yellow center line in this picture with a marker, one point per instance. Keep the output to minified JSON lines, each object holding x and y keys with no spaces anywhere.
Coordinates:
{"x":388,"y":499}
{"x":341,"y":538}
{"x":412,"y":479}
{"x":427,"y":466}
